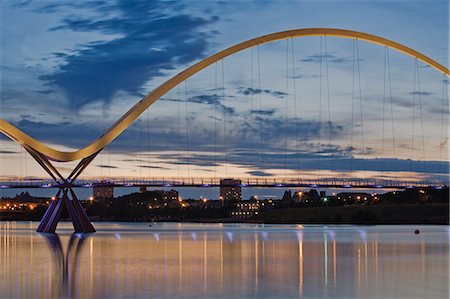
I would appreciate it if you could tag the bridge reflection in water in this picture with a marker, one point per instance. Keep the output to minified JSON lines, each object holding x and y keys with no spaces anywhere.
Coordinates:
{"x":223,"y":261}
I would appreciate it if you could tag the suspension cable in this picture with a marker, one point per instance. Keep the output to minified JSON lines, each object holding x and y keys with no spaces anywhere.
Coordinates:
{"x":25,"y":153}
{"x":149,"y":155}
{"x":286,"y":111}
{"x":360,"y":103}
{"x":413,"y":116}
{"x":108,"y":156}
{"x":215,"y":119}
{"x":392,"y":110}
{"x":251,"y":105}
{"x":179,"y":131}
{"x":319,"y":162}
{"x":141,"y":148}
{"x":260,"y":110}
{"x":384,"y":108}
{"x":443,"y":112}
{"x":21,"y":162}
{"x":187,"y":128}
{"x":421,"y":118}
{"x":353,"y":104}
{"x":295,"y":109}
{"x":101,"y":165}
{"x":224,"y":121}
{"x":328,"y":99}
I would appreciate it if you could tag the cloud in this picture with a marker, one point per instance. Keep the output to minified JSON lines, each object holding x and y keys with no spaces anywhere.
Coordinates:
{"x":251,"y":91}
{"x":329,"y":58}
{"x":44,"y":91}
{"x":151,"y":167}
{"x":7,"y":152}
{"x":259,"y":173}
{"x":107,"y":166}
{"x":150,"y":41}
{"x":211,"y":100}
{"x":421,"y":93}
{"x":263,"y":112}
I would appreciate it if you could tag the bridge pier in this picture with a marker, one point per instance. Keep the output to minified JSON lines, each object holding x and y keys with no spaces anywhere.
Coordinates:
{"x":80,"y":220}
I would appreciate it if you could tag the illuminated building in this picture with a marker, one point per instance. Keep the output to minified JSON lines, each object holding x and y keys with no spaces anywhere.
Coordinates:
{"x":103,"y":190}
{"x":230,"y":192}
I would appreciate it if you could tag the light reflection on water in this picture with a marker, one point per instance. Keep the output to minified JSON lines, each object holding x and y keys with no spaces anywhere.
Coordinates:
{"x":224,"y":260}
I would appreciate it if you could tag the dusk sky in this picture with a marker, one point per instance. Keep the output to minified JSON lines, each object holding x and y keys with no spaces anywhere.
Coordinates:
{"x":70,"y":69}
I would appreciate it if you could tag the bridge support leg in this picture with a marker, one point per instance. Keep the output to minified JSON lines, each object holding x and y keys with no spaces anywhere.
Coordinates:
{"x":52,"y":216}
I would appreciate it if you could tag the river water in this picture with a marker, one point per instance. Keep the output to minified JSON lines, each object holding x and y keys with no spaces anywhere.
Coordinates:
{"x":171,"y":260}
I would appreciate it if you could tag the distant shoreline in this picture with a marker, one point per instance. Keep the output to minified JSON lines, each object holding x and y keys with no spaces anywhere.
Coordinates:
{"x":371,"y":214}
{"x":395,"y":214}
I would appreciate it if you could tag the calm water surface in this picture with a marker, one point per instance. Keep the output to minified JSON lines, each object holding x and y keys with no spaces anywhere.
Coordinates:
{"x":170,"y":260}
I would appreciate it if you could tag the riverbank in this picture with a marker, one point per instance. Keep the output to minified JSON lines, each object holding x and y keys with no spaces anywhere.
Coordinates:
{"x":369,"y":214}
{"x":373,"y":214}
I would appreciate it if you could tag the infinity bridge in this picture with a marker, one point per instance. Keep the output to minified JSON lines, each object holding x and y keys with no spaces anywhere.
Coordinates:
{"x":44,"y":154}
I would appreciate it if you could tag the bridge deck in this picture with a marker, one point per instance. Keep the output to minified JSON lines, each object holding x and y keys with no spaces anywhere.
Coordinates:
{"x":215,"y":182}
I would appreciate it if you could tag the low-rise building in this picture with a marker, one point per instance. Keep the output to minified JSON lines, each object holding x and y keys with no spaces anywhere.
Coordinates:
{"x":250,"y":208}
{"x":103,"y":190}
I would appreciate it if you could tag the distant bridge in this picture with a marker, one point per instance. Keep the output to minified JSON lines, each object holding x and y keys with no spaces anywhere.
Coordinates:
{"x":215,"y":182}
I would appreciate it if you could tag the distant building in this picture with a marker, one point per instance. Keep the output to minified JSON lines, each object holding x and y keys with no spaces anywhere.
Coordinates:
{"x":250,"y":208}
{"x":171,"y":195}
{"x":103,"y":190}
{"x":310,"y":198}
{"x":350,"y":198}
{"x":246,"y":209}
{"x":230,"y":192}
{"x":160,"y":198}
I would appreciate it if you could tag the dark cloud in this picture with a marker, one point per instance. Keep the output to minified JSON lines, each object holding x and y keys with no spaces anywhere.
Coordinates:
{"x":249,"y":91}
{"x":328,"y":57}
{"x":44,"y":91}
{"x":61,"y":6}
{"x":263,"y":112}
{"x":259,"y":173}
{"x":433,"y":107}
{"x":107,"y":166}
{"x":151,"y":40}
{"x":151,"y":167}
{"x":303,"y":76}
{"x":277,"y":129}
{"x":421,"y":93}
{"x":211,"y":100}
{"x":6,"y":152}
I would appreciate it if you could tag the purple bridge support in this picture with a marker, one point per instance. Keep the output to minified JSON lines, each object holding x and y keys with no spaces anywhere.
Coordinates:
{"x":65,"y":197}
{"x":52,"y":216}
